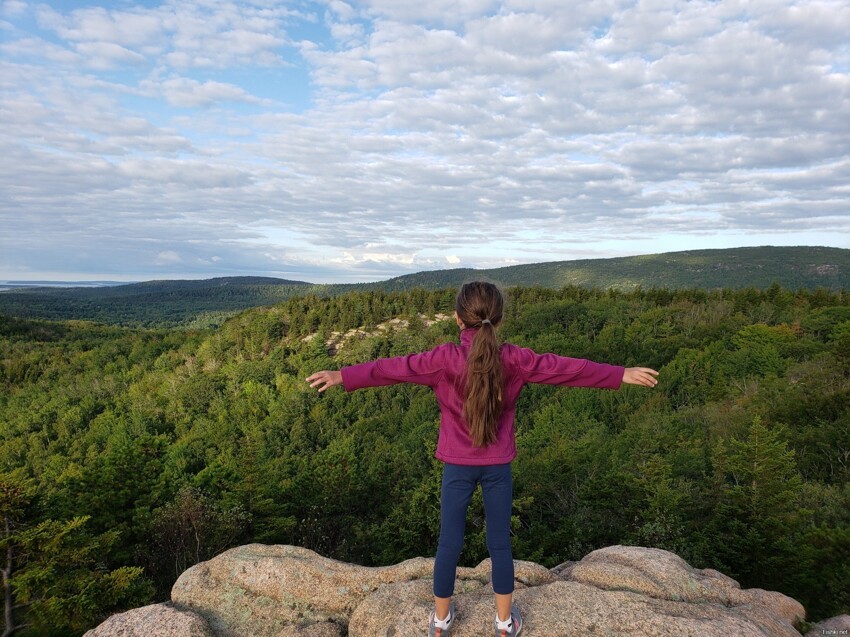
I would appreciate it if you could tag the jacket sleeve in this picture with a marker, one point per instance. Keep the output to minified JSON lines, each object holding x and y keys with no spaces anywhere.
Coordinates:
{"x":551,"y":369}
{"x":425,"y":368}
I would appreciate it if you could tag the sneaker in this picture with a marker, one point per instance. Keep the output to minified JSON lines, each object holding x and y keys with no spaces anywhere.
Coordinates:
{"x":441,"y":628}
{"x":512,"y":627}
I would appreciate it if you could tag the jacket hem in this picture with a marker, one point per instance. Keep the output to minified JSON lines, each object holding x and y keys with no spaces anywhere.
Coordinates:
{"x":466,"y":460}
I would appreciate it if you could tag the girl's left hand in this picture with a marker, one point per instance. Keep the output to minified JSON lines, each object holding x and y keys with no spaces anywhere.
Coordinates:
{"x":640,"y":376}
{"x":324,"y":379}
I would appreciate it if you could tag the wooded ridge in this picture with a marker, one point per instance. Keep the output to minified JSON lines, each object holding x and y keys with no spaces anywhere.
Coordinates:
{"x":208,"y":302}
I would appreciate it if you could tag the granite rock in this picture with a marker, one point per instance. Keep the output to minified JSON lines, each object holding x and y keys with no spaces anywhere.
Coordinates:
{"x":838,"y":625}
{"x":286,"y":591}
{"x":619,"y":590}
{"x":156,"y":620}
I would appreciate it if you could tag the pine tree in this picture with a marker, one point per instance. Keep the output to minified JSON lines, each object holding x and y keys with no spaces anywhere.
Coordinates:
{"x":54,"y":580}
{"x":758,"y":516}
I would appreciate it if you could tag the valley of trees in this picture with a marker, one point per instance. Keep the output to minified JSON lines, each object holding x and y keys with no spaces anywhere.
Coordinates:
{"x":127,"y":455}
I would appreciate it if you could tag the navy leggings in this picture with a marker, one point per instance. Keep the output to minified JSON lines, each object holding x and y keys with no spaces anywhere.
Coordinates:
{"x":459,"y":481}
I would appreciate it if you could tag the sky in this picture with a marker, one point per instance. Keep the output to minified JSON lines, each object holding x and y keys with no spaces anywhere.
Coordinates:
{"x":342,"y":142}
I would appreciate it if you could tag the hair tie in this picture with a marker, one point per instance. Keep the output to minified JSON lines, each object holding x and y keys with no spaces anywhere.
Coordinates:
{"x":487,"y":321}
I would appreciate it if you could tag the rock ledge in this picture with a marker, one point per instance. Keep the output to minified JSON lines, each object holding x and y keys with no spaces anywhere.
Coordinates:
{"x":258,"y":590}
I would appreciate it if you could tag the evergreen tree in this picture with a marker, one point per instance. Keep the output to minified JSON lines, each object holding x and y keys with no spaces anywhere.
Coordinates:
{"x":758,"y":518}
{"x":55,"y":582}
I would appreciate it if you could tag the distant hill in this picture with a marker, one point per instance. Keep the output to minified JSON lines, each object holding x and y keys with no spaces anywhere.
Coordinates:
{"x":205,"y":302}
{"x":161,"y":303}
{"x":759,"y":267}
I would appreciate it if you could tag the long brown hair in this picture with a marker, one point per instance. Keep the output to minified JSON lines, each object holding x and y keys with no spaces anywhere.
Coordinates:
{"x":480,"y":305}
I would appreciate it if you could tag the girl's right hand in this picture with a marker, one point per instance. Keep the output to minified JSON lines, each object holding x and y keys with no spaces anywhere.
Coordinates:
{"x":640,"y":376}
{"x":324,"y":379}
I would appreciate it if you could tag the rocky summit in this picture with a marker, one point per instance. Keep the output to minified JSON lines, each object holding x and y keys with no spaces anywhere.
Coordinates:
{"x":286,"y":591}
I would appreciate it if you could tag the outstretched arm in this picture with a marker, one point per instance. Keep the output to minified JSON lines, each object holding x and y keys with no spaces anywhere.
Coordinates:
{"x":324,"y":379}
{"x":640,"y":376}
{"x":424,"y":368}
{"x":552,"y":369}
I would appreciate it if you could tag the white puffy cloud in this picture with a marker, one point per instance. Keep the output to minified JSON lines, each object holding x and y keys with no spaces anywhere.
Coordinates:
{"x":107,"y":55}
{"x":98,"y":24}
{"x":168,"y":257}
{"x":13,"y":8}
{"x":435,"y":12}
{"x":186,"y":92}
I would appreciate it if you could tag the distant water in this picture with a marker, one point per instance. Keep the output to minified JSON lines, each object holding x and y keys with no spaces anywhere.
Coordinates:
{"x":5,"y":286}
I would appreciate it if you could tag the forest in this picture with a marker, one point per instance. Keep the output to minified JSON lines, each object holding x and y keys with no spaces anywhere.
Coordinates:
{"x":129,"y":454}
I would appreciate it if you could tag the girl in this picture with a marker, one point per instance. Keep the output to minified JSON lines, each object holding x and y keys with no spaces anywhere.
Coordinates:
{"x":477,"y":384}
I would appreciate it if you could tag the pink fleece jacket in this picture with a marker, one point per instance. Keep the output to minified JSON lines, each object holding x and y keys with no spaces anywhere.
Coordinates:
{"x":442,"y":369}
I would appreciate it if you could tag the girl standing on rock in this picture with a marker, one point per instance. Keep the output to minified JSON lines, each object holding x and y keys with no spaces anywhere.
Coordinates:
{"x":477,"y":384}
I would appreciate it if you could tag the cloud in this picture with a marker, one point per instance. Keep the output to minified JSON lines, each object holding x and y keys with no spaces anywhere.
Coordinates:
{"x":186,"y":174}
{"x":13,"y":8}
{"x":167,"y":257}
{"x":188,"y":93}
{"x":31,"y":47}
{"x":97,"y":24}
{"x":435,"y":12}
{"x":426,"y":135}
{"x":108,"y":55}
{"x":181,"y":34}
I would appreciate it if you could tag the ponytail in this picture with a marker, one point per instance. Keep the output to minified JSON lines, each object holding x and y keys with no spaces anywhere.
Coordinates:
{"x":480,"y":305}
